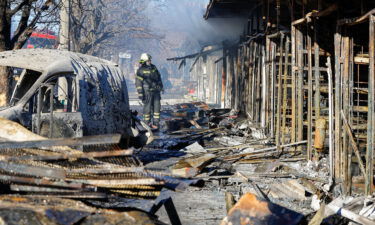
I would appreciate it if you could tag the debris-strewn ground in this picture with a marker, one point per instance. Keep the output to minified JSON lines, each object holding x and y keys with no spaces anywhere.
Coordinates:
{"x":234,"y":157}
{"x":198,"y":206}
{"x":53,"y":182}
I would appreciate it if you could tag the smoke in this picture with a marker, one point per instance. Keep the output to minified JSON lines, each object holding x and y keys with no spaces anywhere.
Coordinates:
{"x":185,"y":31}
{"x":186,"y":16}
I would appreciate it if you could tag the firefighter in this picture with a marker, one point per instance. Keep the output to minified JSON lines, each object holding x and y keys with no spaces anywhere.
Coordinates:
{"x":149,"y":85}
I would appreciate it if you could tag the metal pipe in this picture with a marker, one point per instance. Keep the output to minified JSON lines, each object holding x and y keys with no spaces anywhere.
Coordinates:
{"x":293,"y":133}
{"x":285,"y":86}
{"x":316,"y":74}
{"x":345,"y":107}
{"x":371,"y":109}
{"x":330,"y":121}
{"x":279,"y":93}
{"x":337,"y":105}
{"x":224,"y":77}
{"x":273,"y":71}
{"x":300,"y":91}
{"x":309,"y":97}
{"x":264,"y":85}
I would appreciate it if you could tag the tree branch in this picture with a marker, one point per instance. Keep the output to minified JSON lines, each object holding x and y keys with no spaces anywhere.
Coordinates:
{"x":12,"y":12}
{"x":25,"y":30}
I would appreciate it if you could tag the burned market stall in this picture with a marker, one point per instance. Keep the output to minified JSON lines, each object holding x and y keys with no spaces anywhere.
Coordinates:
{"x":302,"y":72}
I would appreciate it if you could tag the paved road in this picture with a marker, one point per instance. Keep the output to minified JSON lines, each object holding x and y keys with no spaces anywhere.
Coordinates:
{"x":198,"y":207}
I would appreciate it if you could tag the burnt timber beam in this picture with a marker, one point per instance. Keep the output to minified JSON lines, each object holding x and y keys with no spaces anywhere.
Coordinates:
{"x":32,"y":170}
{"x":309,"y":96}
{"x":371,"y":110}
{"x":294,"y":80}
{"x":90,"y":140}
{"x":70,"y":156}
{"x":338,"y":102}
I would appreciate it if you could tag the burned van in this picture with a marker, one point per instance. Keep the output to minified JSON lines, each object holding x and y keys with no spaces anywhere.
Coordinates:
{"x":66,"y":94}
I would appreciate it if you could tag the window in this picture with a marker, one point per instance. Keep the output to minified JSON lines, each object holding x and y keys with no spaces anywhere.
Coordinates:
{"x":61,"y":91}
{"x":24,"y":82}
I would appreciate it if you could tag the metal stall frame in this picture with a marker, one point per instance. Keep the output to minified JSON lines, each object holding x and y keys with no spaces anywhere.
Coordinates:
{"x":278,"y":45}
{"x":257,"y":89}
{"x":344,"y":74}
{"x":306,"y":67}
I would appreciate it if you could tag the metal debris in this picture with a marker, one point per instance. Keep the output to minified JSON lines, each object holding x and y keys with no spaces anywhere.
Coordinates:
{"x":98,"y":170}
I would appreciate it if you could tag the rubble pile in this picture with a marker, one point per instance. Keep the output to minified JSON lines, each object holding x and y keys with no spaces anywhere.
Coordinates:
{"x":49,"y":210}
{"x":235,"y":157}
{"x":218,"y":150}
{"x":93,"y":173}
{"x":63,"y":181}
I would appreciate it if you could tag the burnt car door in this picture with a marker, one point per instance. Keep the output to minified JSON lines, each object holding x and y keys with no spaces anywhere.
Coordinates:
{"x":56,"y":112}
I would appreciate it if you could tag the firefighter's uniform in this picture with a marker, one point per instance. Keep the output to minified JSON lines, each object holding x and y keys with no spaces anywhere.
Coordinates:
{"x":149,"y":85}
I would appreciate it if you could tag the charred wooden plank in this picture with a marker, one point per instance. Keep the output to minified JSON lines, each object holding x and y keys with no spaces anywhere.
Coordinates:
{"x":40,"y":181}
{"x":116,"y":182}
{"x":80,"y":195}
{"x":371,"y":111}
{"x":32,"y":170}
{"x":353,"y":144}
{"x":91,"y":140}
{"x":29,"y":188}
{"x":309,"y":97}
{"x":72,"y":156}
{"x":106,"y":170}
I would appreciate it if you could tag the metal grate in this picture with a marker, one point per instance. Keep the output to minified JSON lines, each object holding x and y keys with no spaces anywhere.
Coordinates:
{"x":97,"y":171}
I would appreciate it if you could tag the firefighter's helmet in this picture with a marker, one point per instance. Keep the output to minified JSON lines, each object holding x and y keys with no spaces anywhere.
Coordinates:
{"x":145,"y":57}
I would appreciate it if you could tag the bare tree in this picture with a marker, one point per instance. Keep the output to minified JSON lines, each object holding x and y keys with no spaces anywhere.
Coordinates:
{"x":99,"y":25}
{"x":25,"y":15}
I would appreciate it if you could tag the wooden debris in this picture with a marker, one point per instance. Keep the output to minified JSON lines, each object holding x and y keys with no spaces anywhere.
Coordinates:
{"x":362,"y":59}
{"x":29,"y":188}
{"x":258,"y":191}
{"x":311,"y":187}
{"x":113,"y":183}
{"x":229,"y":200}
{"x":294,"y":187}
{"x":353,"y":144}
{"x":194,"y":123}
{"x":190,"y":167}
{"x":195,"y":148}
{"x":90,"y":140}
{"x":185,"y":172}
{"x":342,"y":211}
{"x":255,"y":161}
{"x":296,"y":173}
{"x":280,"y":147}
{"x":254,"y":211}
{"x":269,"y":150}
{"x":32,"y":170}
{"x":70,"y":156}
{"x":39,"y":181}
{"x":290,"y":189}
{"x":319,"y":216}
{"x":129,"y":217}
